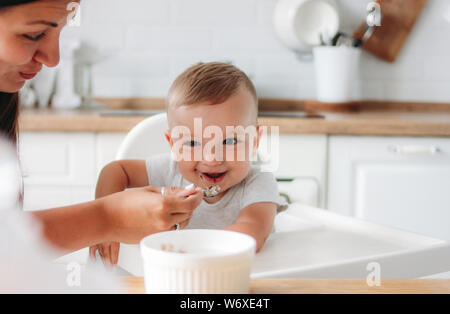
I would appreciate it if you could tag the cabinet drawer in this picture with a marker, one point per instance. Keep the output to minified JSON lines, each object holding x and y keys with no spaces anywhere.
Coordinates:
{"x":106,"y":149}
{"x":62,"y":159}
{"x":45,"y":197}
{"x":302,"y":156}
{"x":399,"y":182}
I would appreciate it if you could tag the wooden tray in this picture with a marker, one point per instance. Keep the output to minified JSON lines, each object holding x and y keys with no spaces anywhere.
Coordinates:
{"x":315,"y":243}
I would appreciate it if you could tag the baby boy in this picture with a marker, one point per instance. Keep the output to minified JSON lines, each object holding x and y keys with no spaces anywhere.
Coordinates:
{"x":212,"y":111}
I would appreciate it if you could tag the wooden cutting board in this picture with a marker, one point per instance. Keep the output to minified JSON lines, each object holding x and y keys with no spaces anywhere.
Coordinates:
{"x":399,"y":17}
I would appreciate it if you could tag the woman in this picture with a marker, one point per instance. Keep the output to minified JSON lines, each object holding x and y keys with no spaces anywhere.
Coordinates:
{"x":29,"y":39}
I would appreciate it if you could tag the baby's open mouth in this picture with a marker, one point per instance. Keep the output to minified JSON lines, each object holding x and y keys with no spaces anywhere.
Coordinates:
{"x":213,"y":177}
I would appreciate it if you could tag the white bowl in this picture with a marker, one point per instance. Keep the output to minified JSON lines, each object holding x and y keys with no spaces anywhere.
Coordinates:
{"x":197,"y":261}
{"x":299,"y":23}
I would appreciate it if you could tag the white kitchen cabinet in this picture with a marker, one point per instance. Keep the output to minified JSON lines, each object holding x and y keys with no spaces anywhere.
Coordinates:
{"x":58,"y":168}
{"x":106,"y":148}
{"x":62,"y":168}
{"x":398,"y":182}
{"x":302,"y":159}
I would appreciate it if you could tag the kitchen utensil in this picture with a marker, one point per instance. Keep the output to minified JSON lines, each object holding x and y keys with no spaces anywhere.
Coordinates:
{"x":197,"y":261}
{"x":27,"y":95}
{"x":337,"y":73}
{"x":44,"y":85}
{"x":399,"y":17}
{"x":86,"y":57}
{"x":342,"y":39}
{"x":359,"y":41}
{"x":373,"y":20}
{"x":65,"y":96}
{"x":301,"y":23}
{"x":208,"y":192}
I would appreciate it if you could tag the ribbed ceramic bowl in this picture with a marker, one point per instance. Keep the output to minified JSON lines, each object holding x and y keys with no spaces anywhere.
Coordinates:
{"x":197,"y":261}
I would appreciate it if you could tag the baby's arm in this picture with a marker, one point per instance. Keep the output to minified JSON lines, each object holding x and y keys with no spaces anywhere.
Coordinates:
{"x":116,"y":177}
{"x":256,"y":220}
{"x":120,"y":175}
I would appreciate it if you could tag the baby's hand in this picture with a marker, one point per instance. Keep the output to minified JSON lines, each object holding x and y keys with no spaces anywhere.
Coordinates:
{"x":109,"y":252}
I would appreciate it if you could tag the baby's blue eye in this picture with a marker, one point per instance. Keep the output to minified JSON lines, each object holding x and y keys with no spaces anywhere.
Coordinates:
{"x":192,"y":143}
{"x":230,"y":141}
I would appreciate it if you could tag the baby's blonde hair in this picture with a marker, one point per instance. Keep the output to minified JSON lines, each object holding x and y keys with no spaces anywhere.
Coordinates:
{"x":213,"y":82}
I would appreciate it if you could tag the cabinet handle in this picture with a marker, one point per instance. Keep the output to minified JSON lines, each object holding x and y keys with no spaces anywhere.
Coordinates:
{"x":414,"y":149}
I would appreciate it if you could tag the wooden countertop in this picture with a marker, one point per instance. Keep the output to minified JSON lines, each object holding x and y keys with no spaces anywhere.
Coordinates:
{"x":384,"y":121}
{"x":135,"y":285}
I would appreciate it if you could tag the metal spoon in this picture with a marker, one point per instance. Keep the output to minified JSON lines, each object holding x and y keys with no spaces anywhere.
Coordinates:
{"x":208,"y":192}
{"x":211,"y":191}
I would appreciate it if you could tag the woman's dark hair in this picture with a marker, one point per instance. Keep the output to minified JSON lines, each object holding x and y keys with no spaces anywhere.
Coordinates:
{"x":9,"y":103}
{"x":9,"y":115}
{"x":8,"y":3}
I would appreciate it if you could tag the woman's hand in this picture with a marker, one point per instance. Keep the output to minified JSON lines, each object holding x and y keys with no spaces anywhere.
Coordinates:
{"x":133,"y":214}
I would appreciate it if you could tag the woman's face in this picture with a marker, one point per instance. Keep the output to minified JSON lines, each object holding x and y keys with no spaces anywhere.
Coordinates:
{"x":29,"y":39}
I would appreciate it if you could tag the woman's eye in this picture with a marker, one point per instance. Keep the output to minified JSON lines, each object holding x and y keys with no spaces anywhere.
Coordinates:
{"x":34,"y":37}
{"x":192,"y":143}
{"x":230,"y":141}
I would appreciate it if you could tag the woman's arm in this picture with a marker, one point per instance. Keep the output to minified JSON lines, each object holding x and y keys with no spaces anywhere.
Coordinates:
{"x":256,"y":220}
{"x":125,"y":217}
{"x":74,"y":227}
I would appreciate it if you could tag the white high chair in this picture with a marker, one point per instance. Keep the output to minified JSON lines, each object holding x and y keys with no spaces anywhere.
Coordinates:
{"x":310,"y":242}
{"x":144,"y":140}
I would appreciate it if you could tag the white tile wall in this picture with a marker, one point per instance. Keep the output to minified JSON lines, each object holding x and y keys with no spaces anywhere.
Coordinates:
{"x":154,"y":40}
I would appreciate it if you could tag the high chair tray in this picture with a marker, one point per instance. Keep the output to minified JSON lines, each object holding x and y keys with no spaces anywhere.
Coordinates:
{"x":316,"y":243}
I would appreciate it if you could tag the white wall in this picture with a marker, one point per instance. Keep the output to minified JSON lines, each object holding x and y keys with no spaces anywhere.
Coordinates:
{"x":154,"y":40}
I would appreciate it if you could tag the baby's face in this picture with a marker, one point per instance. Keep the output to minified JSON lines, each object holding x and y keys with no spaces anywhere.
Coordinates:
{"x":223,"y":156}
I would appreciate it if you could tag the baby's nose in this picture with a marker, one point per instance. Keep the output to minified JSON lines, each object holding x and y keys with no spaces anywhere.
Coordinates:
{"x":212,"y":157}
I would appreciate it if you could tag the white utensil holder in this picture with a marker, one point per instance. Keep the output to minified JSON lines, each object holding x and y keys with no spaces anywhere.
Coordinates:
{"x":337,"y":73}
